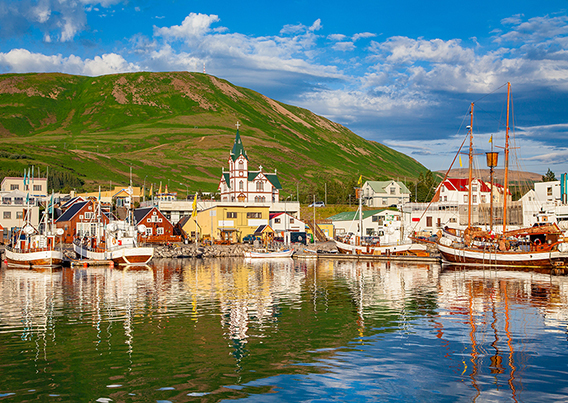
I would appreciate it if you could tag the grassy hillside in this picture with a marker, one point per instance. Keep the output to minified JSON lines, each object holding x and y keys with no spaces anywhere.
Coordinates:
{"x":179,"y":128}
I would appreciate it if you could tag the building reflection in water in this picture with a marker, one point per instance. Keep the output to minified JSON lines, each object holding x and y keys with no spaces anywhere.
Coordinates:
{"x":495,"y":309}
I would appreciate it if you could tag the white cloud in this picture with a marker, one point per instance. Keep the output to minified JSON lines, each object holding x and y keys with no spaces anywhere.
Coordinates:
{"x":194,"y":25}
{"x":24,"y":61}
{"x":292,"y":29}
{"x":361,"y":35}
{"x":343,"y":46}
{"x":336,"y":37}
{"x":316,"y":26}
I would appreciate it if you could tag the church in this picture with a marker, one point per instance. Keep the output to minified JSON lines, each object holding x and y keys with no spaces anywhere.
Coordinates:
{"x":240,"y":184}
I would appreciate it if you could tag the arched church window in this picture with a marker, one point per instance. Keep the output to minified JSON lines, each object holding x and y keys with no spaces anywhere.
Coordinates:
{"x":241,"y":185}
{"x":260,"y":186}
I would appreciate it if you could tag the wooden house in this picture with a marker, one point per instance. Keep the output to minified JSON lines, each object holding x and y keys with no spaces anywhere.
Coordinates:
{"x":158,"y":228}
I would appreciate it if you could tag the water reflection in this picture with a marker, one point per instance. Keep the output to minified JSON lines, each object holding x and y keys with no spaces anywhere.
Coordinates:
{"x":227,"y":328}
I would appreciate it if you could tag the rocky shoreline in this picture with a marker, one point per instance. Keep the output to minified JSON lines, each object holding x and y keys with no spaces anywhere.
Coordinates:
{"x":237,"y":250}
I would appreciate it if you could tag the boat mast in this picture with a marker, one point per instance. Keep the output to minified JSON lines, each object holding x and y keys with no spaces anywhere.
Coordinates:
{"x":505,"y":181}
{"x":470,"y":167}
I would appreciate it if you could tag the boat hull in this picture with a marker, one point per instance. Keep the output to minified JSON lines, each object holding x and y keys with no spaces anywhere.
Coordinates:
{"x":384,"y":250}
{"x":474,"y":256}
{"x":123,"y":256}
{"x":37,"y":258}
{"x":269,"y":255}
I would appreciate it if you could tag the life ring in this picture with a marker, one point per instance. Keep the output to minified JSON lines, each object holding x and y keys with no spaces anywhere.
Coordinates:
{"x":537,"y":242}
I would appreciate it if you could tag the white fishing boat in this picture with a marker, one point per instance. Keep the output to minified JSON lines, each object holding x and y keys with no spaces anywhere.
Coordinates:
{"x":356,"y":244}
{"x":119,"y":244}
{"x":117,"y":241}
{"x":358,"y":248}
{"x":32,"y":248}
{"x":266,"y":254}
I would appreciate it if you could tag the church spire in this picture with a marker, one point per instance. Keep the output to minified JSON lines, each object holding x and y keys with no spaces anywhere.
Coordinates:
{"x":238,"y":148}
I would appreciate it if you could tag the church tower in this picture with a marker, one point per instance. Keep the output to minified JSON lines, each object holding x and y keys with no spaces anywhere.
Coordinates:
{"x":241,"y":185}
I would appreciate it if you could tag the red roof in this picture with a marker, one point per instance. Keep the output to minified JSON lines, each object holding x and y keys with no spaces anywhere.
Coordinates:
{"x":461,"y":184}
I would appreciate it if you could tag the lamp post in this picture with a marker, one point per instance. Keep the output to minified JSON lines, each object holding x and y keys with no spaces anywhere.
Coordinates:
{"x":144,"y":187}
{"x":286,"y":220}
{"x":186,"y":190}
{"x":491,"y":163}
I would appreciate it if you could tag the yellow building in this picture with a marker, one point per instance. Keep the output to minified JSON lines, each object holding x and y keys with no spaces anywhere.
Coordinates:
{"x":227,"y":223}
{"x":119,"y":193}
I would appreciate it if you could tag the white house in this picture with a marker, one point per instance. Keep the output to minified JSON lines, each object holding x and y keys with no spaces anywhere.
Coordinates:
{"x":385,"y":193}
{"x":385,"y":224}
{"x":241,"y":184}
{"x":13,"y":208}
{"x":34,"y":186}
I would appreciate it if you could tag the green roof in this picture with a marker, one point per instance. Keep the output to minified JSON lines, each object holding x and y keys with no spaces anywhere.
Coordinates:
{"x":227,"y":177}
{"x":354,"y":215}
{"x":379,"y":186}
{"x":238,"y":148}
{"x":272,"y":178}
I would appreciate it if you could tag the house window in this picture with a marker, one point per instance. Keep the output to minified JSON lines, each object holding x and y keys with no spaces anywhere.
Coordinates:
{"x":428,"y":221}
{"x":37,"y":188}
{"x":291,"y":221}
{"x":474,"y":188}
{"x":160,"y":231}
{"x":7,"y":215}
{"x":483,"y":199}
{"x":384,"y":202}
{"x":241,"y":185}
{"x":231,"y":214}
{"x":445,"y":198}
{"x":14,"y":187}
{"x":465,"y":198}
{"x":375,"y":218}
{"x":260,"y":186}
{"x":549,"y":191}
{"x":453,"y":219}
{"x":6,"y":200}
{"x":19,"y":215}
{"x":254,"y":215}
{"x":393,"y":191}
{"x":148,"y":231}
{"x":18,"y":200}
{"x":277,"y":220}
{"x":474,"y":198}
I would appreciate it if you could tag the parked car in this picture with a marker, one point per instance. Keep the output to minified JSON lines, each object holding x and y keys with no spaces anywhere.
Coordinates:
{"x":317,"y":204}
{"x":250,"y":238}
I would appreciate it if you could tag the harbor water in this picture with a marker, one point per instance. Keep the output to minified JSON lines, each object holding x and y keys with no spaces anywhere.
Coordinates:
{"x":279,"y":331}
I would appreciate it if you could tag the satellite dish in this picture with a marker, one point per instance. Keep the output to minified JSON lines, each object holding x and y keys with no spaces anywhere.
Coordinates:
{"x":142,"y":228}
{"x":29,"y":230}
{"x":112,"y":226}
{"x":59,"y":231}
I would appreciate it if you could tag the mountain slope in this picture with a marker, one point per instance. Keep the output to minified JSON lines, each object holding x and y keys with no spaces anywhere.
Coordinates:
{"x":176,"y":127}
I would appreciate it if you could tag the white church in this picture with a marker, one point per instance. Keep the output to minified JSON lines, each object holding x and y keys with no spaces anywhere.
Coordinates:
{"x":240,"y":184}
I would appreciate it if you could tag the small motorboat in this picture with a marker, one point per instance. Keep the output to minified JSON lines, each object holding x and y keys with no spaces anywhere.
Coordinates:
{"x":266,"y":254}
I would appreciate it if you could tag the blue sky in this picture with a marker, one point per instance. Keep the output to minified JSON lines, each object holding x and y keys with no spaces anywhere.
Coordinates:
{"x":400,"y":73}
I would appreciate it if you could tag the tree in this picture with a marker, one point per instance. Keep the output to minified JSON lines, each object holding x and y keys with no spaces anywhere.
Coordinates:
{"x":549,"y":177}
{"x":426,"y":187}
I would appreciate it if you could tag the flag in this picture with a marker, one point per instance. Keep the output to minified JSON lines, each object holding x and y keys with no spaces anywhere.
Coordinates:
{"x":160,"y":190}
{"x":360,"y":181}
{"x":194,"y":206}
{"x":99,"y":194}
{"x":151,"y":189}
{"x":50,"y":208}
{"x":491,"y":139}
{"x":461,"y":161}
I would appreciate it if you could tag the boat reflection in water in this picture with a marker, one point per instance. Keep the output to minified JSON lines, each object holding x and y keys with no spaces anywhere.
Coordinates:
{"x":286,"y":330}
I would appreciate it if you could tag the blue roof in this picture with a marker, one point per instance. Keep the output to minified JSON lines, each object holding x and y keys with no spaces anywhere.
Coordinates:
{"x":71,"y":211}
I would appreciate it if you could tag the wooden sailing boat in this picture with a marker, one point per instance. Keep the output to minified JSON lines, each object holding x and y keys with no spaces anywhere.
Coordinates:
{"x":540,"y":246}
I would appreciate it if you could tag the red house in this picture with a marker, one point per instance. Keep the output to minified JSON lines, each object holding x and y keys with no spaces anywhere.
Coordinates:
{"x":80,"y":219}
{"x":158,"y":228}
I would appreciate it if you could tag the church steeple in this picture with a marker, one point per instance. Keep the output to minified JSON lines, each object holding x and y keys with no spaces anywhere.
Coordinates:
{"x":238,"y":148}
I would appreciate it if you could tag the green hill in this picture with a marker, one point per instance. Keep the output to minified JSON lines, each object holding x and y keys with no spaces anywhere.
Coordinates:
{"x":179,"y":128}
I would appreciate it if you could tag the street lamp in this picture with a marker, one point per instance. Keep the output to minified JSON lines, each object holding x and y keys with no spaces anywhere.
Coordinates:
{"x":144,"y":189}
{"x":286,"y":220}
{"x":186,"y":190}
